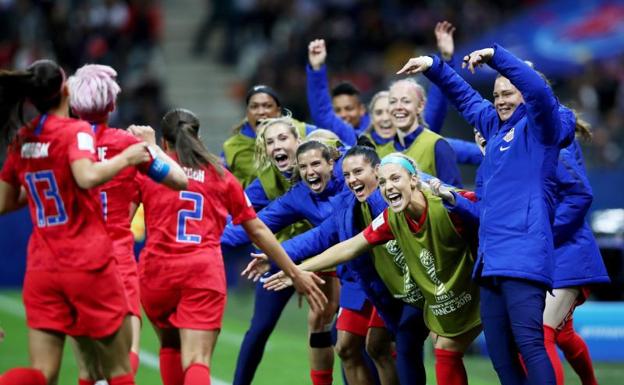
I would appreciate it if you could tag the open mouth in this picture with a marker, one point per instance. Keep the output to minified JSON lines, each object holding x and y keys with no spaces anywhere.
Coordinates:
{"x":358,"y":190}
{"x":395,"y":199}
{"x":281,"y":160}
{"x":314,"y":182}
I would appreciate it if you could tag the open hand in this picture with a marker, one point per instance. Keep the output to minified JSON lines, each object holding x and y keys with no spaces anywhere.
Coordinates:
{"x":477,"y":58}
{"x":257,"y":267}
{"x":444,"y":38}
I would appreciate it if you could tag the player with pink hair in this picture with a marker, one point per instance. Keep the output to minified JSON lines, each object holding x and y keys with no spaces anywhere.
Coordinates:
{"x":93,"y":93}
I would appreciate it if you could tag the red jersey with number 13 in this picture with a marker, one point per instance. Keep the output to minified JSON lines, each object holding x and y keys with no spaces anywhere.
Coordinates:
{"x":68,"y":229}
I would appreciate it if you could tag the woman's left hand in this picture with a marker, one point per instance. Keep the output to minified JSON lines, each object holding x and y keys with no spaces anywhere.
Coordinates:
{"x":477,"y":58}
{"x":438,"y":189}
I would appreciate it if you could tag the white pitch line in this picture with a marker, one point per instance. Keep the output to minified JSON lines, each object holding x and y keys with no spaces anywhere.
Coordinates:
{"x":149,"y":359}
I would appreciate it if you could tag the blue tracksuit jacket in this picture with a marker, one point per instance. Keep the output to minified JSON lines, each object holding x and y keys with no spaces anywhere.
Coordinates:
{"x":519,"y":169}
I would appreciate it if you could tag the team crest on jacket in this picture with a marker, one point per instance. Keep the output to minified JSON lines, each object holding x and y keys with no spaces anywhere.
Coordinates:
{"x":509,"y":136}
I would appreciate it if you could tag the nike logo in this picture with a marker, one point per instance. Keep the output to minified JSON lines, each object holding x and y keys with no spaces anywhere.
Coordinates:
{"x":504,"y":148}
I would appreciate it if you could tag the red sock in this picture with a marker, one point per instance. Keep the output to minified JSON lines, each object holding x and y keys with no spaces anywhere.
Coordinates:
{"x":85,"y":382}
{"x":197,"y":374}
{"x":322,"y":377}
{"x":23,"y":376}
{"x":449,"y":367}
{"x":171,"y":371}
{"x":126,"y":379}
{"x":134,"y":361}
{"x":577,"y":353}
{"x":553,"y":355}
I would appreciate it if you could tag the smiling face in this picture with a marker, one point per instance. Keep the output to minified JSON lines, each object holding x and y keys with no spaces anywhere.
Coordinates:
{"x":359,"y":176}
{"x":315,"y":171}
{"x":382,"y":124}
{"x":506,"y":98}
{"x":281,"y":145}
{"x":405,"y":105}
{"x":348,"y":108}
{"x":261,"y":106}
{"x":396,"y":185}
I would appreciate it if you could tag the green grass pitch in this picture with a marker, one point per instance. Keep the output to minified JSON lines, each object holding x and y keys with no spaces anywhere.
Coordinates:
{"x":285,"y":361}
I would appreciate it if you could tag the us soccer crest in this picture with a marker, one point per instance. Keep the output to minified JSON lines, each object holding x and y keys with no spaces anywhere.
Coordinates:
{"x":509,"y":136}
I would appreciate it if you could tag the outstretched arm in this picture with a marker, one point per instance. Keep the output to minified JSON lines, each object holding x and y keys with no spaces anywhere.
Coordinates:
{"x":335,"y":255}
{"x":305,"y":283}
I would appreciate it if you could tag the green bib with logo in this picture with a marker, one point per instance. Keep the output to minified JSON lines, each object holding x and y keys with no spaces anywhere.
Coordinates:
{"x":239,"y":152}
{"x":423,"y":151}
{"x":440,"y":263}
{"x":389,"y":261}
{"x":275,"y":185}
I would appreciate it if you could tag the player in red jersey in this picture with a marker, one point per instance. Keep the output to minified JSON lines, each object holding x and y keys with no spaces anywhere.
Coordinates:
{"x":70,"y":265}
{"x":181,"y":270}
{"x":93,"y":93}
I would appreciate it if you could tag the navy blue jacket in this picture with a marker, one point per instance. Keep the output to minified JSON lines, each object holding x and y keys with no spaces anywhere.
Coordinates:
{"x":519,"y":169}
{"x":577,"y":257}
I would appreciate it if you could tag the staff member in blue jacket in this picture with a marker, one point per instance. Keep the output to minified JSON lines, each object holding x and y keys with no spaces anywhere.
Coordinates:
{"x":515,"y":260}
{"x":312,"y":199}
{"x":404,"y":321}
{"x":578,"y":262}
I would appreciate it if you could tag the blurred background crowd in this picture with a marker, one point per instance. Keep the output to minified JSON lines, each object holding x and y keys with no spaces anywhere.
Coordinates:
{"x":266,"y":42}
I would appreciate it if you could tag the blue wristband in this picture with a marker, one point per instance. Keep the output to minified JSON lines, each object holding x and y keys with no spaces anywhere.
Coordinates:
{"x":158,"y":170}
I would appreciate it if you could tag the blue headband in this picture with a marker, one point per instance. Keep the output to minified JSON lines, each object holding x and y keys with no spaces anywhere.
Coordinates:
{"x":393,"y":159}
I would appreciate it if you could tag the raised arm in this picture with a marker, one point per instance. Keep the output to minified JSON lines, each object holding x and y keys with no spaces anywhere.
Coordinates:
{"x":319,"y":100}
{"x":541,"y":104}
{"x":477,"y":111}
{"x":437,"y":106}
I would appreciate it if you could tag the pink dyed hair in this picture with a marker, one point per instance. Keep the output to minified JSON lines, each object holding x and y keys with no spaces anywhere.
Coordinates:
{"x":93,"y":91}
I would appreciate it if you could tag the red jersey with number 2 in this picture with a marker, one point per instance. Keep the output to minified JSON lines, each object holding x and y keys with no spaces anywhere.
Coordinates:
{"x":68,"y":229}
{"x":184,"y":228}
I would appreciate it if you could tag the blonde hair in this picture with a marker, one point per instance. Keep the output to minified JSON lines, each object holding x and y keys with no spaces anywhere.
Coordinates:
{"x":420,"y":184}
{"x":582,"y":128}
{"x":261,"y":158}
{"x":420,"y":91}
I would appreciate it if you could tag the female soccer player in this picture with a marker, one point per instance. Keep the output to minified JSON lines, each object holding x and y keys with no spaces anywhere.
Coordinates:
{"x":238,"y":150}
{"x":93,"y":93}
{"x":405,"y":321}
{"x":53,"y":158}
{"x":524,"y":133}
{"x":310,"y":199}
{"x":276,"y":145}
{"x":181,"y":269}
{"x":436,"y":258}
